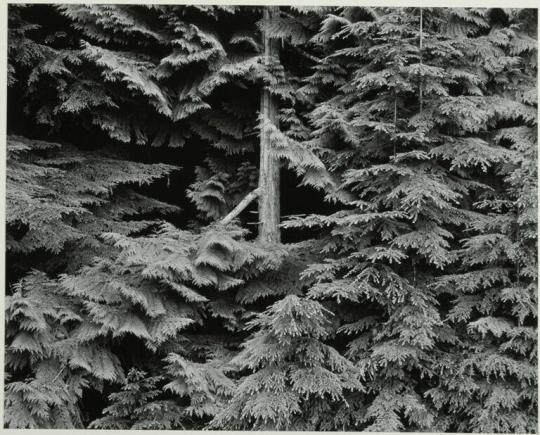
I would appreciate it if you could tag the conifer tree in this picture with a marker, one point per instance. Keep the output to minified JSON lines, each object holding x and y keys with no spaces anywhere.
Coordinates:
{"x":408,"y":303}
{"x":423,"y":163}
{"x":89,"y":81}
{"x":296,"y":377}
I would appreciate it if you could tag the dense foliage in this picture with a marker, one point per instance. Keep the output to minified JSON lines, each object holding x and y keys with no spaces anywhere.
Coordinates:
{"x":404,"y":294}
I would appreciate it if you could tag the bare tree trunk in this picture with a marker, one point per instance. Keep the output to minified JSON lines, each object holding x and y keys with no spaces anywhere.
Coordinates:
{"x":269,"y":207}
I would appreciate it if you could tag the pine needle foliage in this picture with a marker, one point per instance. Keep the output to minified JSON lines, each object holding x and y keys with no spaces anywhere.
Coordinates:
{"x":427,"y":248}
{"x":58,"y":194}
{"x":134,"y":406}
{"x":296,"y":377}
{"x":408,"y":302}
{"x":156,"y":291}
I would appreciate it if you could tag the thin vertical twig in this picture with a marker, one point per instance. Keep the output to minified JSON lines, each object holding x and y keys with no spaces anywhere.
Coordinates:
{"x":421,"y":60}
{"x":395,"y":112}
{"x":396,"y":91}
{"x":517,"y":238}
{"x":395,"y":122}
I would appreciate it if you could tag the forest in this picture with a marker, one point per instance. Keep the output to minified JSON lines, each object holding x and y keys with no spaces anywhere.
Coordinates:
{"x":271,"y":218}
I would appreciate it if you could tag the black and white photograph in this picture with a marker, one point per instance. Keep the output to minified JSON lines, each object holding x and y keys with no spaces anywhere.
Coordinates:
{"x":270,"y":217}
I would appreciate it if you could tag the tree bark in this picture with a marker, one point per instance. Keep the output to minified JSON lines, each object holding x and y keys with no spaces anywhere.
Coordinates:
{"x":269,"y":207}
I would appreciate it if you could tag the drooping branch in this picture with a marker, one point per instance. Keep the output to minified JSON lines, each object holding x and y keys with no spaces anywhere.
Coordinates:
{"x":240,"y":207}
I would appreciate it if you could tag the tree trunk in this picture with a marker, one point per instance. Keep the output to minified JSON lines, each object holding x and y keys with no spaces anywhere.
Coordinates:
{"x":269,"y":208}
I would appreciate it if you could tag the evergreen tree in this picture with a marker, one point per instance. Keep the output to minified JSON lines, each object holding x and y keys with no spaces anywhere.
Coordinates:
{"x":134,"y":407}
{"x":412,"y":126}
{"x":296,"y":376}
{"x":408,"y":303}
